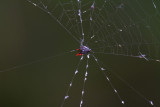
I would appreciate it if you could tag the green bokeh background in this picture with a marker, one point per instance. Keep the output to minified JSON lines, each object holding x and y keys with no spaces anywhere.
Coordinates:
{"x":28,"y":34}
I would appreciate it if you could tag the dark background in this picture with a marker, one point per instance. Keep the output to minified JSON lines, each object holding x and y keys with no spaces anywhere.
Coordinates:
{"x":28,"y":34}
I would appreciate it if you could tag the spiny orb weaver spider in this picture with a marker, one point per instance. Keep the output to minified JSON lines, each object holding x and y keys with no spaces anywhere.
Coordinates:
{"x":83,"y":50}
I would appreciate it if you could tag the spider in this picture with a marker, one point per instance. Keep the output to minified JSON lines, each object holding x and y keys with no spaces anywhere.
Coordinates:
{"x":83,"y":50}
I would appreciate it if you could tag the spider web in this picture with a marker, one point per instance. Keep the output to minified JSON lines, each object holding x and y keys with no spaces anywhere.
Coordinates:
{"x":125,"y":28}
{"x":110,"y":27}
